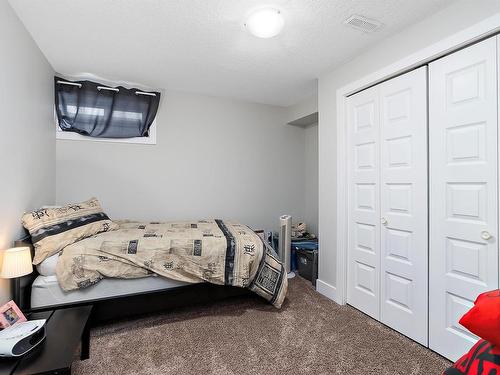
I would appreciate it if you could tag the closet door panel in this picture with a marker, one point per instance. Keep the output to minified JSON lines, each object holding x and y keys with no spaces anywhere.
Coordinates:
{"x":364,"y":213}
{"x":463,"y":188}
{"x":404,"y":250}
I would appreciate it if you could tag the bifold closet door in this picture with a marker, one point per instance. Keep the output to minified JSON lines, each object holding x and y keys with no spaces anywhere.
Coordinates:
{"x":403,"y":189}
{"x":363,"y":291}
{"x":388,"y":254}
{"x":463,"y":191}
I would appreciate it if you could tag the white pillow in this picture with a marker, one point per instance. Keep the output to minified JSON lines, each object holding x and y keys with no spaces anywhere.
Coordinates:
{"x":48,"y":266}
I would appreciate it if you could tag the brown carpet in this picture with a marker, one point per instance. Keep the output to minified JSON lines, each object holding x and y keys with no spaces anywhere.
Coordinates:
{"x":309,"y":335}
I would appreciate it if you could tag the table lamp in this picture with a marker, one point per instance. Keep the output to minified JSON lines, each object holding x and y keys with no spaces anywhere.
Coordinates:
{"x":16,"y":263}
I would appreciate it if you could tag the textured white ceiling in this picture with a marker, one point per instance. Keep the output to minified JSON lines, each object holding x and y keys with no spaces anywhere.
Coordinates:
{"x":201,"y":45}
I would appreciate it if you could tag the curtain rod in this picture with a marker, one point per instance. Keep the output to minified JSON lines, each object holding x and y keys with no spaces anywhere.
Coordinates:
{"x":70,"y":83}
{"x":145,"y":93}
{"x":79,"y":85}
{"x":99,"y":88}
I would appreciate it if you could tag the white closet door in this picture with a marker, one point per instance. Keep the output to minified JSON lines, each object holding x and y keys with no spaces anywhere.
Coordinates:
{"x":404,"y":250}
{"x":463,"y":191}
{"x":364,"y":201}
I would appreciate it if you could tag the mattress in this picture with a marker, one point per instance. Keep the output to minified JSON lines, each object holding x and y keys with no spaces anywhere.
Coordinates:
{"x":45,"y":290}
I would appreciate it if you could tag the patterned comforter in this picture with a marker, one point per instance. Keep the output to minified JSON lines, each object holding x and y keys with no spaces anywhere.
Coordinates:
{"x":214,"y":251}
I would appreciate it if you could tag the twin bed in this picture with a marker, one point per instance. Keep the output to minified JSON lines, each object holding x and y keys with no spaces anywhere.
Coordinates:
{"x":125,"y":267}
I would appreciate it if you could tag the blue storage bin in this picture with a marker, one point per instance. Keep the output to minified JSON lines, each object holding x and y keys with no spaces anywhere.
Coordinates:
{"x":301,"y":244}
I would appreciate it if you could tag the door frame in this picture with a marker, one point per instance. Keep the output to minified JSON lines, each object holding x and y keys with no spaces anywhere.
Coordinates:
{"x":484,"y":29}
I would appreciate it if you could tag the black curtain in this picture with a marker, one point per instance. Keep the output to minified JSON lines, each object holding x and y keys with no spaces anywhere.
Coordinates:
{"x":87,"y":110}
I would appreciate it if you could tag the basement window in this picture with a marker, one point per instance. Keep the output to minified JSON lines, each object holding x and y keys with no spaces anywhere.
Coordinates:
{"x":86,"y":110}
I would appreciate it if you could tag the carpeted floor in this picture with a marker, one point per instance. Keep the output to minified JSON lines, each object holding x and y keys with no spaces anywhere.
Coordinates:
{"x":309,"y":335}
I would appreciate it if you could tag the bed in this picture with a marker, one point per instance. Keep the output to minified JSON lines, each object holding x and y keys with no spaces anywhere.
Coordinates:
{"x":118,"y":298}
{"x":126,"y":268}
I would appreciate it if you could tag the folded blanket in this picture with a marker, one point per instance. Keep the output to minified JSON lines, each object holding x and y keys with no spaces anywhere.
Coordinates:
{"x":214,"y":251}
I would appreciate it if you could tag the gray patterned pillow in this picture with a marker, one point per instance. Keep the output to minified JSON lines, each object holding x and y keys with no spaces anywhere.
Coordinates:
{"x":52,"y":229}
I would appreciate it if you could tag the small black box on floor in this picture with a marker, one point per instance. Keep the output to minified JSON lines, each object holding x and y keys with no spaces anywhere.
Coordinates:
{"x":307,"y":264}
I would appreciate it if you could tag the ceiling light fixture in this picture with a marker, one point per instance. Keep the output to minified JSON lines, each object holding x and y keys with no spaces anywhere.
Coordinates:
{"x":265,"y":23}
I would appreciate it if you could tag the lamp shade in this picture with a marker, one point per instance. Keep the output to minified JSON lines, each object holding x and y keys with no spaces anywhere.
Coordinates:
{"x":16,"y":262}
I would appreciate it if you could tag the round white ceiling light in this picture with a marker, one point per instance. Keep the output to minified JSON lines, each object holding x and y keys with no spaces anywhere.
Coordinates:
{"x":265,"y":23}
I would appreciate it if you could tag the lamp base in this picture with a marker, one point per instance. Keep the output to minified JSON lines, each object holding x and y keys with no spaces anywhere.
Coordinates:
{"x":16,"y":290}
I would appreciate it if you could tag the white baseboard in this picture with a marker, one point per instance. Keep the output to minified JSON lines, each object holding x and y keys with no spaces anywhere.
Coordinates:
{"x":327,"y":290}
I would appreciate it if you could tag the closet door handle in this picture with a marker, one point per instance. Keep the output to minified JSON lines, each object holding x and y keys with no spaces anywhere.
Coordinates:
{"x":383,"y":220}
{"x":485,"y":235}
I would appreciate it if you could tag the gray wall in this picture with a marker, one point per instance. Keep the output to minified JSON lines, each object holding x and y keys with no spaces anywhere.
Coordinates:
{"x":458,"y":16}
{"x":311,"y":178}
{"x":214,"y":158}
{"x":305,"y":108}
{"x":27,"y":141}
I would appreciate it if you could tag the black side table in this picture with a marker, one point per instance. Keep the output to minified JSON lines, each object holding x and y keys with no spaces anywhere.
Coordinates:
{"x":65,"y":329}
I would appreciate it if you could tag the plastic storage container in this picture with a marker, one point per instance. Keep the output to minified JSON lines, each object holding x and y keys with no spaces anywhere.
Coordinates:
{"x":307,"y":264}
{"x":306,"y":244}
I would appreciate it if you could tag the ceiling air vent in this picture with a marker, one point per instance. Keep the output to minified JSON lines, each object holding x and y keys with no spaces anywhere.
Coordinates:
{"x":363,"y":23}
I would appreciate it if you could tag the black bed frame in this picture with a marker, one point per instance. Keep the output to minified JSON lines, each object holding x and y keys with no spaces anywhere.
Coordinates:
{"x":130,"y":305}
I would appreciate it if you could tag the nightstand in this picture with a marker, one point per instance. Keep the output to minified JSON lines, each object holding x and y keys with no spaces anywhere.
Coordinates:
{"x":66,"y":328}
